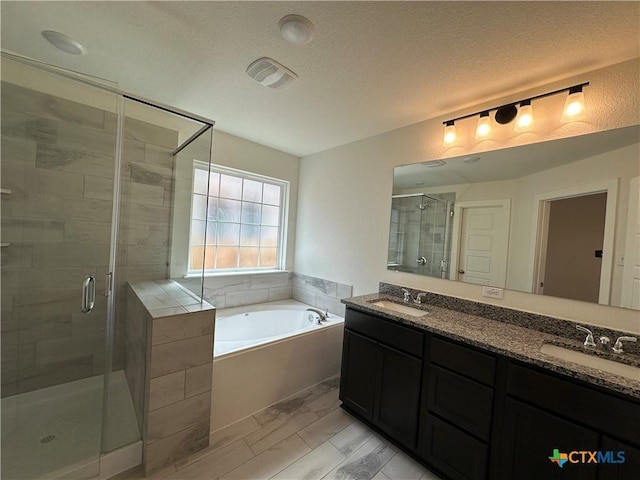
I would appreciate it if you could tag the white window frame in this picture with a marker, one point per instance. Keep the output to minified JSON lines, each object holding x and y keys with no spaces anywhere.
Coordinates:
{"x":281,"y":253}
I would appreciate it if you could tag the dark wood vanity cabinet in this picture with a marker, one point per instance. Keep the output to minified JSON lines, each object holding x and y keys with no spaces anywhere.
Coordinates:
{"x":471,"y":415}
{"x":545,"y":412}
{"x":456,"y":424}
{"x":381,"y":374}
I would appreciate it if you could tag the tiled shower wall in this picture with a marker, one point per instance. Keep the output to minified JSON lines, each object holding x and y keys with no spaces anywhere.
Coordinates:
{"x":57,"y":160}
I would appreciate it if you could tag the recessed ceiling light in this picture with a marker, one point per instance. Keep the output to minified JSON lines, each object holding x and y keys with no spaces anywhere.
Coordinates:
{"x":64,"y":42}
{"x":433,"y":163}
{"x":470,"y":159}
{"x":296,"y":29}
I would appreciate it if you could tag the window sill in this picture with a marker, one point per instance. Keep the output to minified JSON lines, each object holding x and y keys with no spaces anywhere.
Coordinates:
{"x":229,"y":274}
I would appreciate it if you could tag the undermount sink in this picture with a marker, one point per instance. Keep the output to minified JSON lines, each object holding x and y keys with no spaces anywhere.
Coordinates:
{"x":617,"y":368}
{"x":396,"y":307}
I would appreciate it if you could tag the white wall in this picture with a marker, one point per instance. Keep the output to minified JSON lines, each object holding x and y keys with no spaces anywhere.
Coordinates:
{"x":345,"y":193}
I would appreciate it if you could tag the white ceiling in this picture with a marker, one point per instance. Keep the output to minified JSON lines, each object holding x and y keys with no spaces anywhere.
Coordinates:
{"x":373,"y":66}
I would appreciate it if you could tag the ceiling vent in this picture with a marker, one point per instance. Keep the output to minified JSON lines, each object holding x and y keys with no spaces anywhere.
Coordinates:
{"x":270,"y":73}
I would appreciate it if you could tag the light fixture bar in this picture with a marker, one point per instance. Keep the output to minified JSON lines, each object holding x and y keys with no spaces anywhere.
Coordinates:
{"x":548,"y":94}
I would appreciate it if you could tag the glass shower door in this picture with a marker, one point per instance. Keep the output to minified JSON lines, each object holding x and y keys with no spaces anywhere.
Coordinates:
{"x":58,"y":162}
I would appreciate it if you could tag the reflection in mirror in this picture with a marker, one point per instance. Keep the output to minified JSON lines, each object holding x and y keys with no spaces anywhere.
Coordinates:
{"x":556,"y":218}
{"x":420,"y":233}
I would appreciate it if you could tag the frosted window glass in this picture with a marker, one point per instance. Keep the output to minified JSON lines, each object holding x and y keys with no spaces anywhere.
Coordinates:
{"x":270,"y":215}
{"x":248,"y":257}
{"x":200,"y":179}
{"x":199,"y":207}
{"x":197,"y":232}
{"x":269,"y":236}
{"x":209,"y":257}
{"x":214,"y":184}
{"x":228,"y":233}
{"x":252,"y":191}
{"x":211,"y":233}
{"x":230,"y":187}
{"x":212,"y":209}
{"x":229,"y":210}
{"x":249,"y":235}
{"x":271,"y":194}
{"x":227,"y":257}
{"x":268,"y":257}
{"x":251,"y":213}
{"x":196,"y":255}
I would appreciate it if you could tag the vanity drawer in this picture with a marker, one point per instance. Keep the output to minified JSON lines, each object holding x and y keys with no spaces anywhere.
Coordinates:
{"x":464,"y":360}
{"x":464,"y":402}
{"x":576,"y":401}
{"x":455,"y":452}
{"x":385,"y":331}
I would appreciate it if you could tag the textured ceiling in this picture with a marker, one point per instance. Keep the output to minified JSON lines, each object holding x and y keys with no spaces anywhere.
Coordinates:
{"x":373,"y":66}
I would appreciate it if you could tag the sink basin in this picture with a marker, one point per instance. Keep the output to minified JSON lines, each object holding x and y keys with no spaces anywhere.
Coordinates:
{"x":396,"y":307}
{"x":622,"y":369}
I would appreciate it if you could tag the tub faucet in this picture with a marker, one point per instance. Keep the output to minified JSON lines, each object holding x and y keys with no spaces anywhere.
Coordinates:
{"x":321,"y":315}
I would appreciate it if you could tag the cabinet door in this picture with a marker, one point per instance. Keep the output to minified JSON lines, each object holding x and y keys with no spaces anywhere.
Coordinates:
{"x":357,"y":381}
{"x":628,"y":470}
{"x":530,"y":437}
{"x":397,"y":394}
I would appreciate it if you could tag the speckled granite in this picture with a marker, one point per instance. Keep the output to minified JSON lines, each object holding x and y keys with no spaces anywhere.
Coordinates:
{"x":542,"y":323}
{"x":503,"y":338}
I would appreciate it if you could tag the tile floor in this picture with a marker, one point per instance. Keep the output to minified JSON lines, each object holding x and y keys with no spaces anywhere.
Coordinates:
{"x":307,"y":436}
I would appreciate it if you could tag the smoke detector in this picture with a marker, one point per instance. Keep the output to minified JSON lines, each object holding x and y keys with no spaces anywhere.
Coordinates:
{"x":270,"y":73}
{"x":296,"y":29}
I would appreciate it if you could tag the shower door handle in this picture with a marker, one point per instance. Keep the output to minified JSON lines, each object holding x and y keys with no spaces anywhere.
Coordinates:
{"x":88,"y":293}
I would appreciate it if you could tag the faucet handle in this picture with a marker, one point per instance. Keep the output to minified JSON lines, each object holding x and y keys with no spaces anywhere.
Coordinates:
{"x":618,"y":346}
{"x":407,"y":295}
{"x":588,"y":342}
{"x":419,"y":297}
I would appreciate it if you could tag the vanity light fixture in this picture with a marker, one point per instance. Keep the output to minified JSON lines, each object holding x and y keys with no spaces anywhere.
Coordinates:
{"x":450,"y":135}
{"x":484,"y":126}
{"x":522,"y":111}
{"x":574,"y":109}
{"x":524,"y":120}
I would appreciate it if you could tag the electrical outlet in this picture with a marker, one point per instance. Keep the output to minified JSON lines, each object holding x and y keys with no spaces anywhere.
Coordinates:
{"x":492,"y":292}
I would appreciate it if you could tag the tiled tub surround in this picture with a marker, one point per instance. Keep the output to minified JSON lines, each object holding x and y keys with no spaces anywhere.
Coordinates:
{"x":228,"y":291}
{"x":499,"y":336}
{"x":177,"y":380}
{"x":320,"y":293}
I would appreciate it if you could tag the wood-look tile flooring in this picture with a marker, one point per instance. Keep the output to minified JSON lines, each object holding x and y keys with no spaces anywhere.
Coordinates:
{"x":307,"y":436}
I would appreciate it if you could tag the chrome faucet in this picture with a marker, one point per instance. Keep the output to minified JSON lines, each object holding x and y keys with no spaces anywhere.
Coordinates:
{"x":407,"y":295}
{"x":322,"y":317}
{"x":617,"y":347}
{"x":588,"y":342}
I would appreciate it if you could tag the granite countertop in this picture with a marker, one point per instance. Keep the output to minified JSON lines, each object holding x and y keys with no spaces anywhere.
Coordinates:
{"x":512,"y":341}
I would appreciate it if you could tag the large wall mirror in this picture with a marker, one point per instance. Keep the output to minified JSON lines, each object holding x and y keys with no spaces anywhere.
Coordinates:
{"x":556,"y":218}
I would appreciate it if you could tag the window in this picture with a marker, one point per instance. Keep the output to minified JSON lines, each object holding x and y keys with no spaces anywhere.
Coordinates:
{"x":239,"y":225}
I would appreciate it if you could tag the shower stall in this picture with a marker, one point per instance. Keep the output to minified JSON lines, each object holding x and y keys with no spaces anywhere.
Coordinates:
{"x":420,"y":234}
{"x":91,"y":186}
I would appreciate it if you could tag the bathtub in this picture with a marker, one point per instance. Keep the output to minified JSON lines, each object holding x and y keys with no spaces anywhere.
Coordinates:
{"x":266,"y":352}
